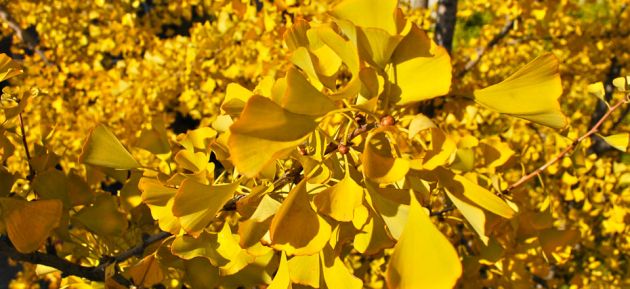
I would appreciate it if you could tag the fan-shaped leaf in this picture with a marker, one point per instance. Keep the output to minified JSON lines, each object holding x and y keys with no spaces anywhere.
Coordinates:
{"x":103,"y":149}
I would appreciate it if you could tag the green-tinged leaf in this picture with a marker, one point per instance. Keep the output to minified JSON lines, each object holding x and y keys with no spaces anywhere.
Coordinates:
{"x":296,"y":228}
{"x":370,"y":13}
{"x":530,"y":93}
{"x":622,"y":83}
{"x":197,"y":204}
{"x":421,"y":240}
{"x":8,"y":67}
{"x":28,"y":224}
{"x":281,"y":279}
{"x":619,"y":141}
{"x":52,"y":184}
{"x":597,"y":89}
{"x":103,"y":149}
{"x":264,"y":132}
{"x":340,"y":200}
{"x":103,"y":217}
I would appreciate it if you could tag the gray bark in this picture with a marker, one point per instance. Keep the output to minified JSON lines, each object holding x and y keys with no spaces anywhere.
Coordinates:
{"x":445,"y":25}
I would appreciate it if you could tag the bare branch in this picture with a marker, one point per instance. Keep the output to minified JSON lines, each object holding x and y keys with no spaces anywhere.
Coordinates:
{"x":570,"y":148}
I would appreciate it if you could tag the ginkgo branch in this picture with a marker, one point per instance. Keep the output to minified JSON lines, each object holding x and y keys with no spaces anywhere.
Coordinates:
{"x":567,"y":150}
{"x":94,"y":273}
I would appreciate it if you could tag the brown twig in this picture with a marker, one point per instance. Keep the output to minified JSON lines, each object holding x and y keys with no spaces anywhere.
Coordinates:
{"x":31,"y":172}
{"x":482,"y":50}
{"x":570,"y":148}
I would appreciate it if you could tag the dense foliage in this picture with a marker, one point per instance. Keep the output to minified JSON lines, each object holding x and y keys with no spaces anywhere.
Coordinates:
{"x":297,"y":144}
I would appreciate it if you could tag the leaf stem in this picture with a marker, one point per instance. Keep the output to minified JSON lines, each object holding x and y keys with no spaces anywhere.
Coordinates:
{"x":570,"y":148}
{"x":31,"y":173}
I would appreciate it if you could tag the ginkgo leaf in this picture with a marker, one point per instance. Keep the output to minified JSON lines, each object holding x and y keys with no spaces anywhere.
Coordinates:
{"x":598,"y":90}
{"x":373,"y":236}
{"x":146,"y":273}
{"x":392,"y":205}
{"x":235,"y":98}
{"x":52,"y":184}
{"x":103,"y":149}
{"x":442,"y":150}
{"x":622,"y":83}
{"x":619,"y":141}
{"x":8,"y":67}
{"x":28,"y":224}
{"x":335,"y":273}
{"x":417,"y":73}
{"x":300,"y":97}
{"x":296,"y":228}
{"x":229,"y":248}
{"x":380,"y":162}
{"x":371,"y":13}
{"x":530,"y":93}
{"x":421,"y":240}
{"x":281,"y":279}
{"x":205,"y":245}
{"x":475,"y":216}
{"x":304,"y":270}
{"x":197,"y":204}
{"x":419,"y":123}
{"x":264,"y":132}
{"x":254,"y":228}
{"x":193,"y":162}
{"x":198,"y":139}
{"x":201,"y":274}
{"x":103,"y":217}
{"x":376,"y":45}
{"x":340,"y":200}
{"x":462,"y":187}
{"x":155,"y":139}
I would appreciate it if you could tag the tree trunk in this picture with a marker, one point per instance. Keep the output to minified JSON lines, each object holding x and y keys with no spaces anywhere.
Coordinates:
{"x":445,"y":26}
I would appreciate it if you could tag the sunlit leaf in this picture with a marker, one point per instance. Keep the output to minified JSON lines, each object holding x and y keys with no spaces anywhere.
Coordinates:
{"x":305,"y":270}
{"x":335,"y":273}
{"x":296,"y":228}
{"x":340,"y":200}
{"x":619,"y":141}
{"x":530,"y":93}
{"x":281,"y":279}
{"x":28,"y":224}
{"x":197,"y":204}
{"x":622,"y":83}
{"x":103,"y":149}
{"x":264,"y":132}
{"x":155,"y":139}
{"x":372,"y":13}
{"x":8,"y":67}
{"x":598,"y":90}
{"x":421,"y":240}
{"x":380,"y":162}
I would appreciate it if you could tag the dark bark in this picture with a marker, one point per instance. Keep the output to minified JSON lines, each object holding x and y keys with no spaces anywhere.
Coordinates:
{"x":445,"y":24}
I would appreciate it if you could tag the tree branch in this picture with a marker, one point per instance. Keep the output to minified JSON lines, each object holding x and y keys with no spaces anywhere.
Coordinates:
{"x":570,"y":148}
{"x":26,"y":37}
{"x":482,"y":50}
{"x":96,"y":273}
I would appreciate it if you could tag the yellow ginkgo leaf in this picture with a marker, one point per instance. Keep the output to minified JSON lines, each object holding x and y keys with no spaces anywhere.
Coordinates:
{"x":103,"y":149}
{"x":597,"y":89}
{"x":193,"y":162}
{"x":340,"y":200}
{"x":392,"y":205}
{"x":296,"y":228}
{"x":28,"y":224}
{"x":8,"y":67}
{"x":198,"y":139}
{"x":155,"y":139}
{"x":619,"y":141}
{"x":264,"y":132}
{"x":254,"y":228}
{"x":421,"y":70}
{"x":205,"y":245}
{"x":335,"y":273}
{"x":376,"y":45}
{"x":302,"y":98}
{"x":197,"y":204}
{"x":201,"y":274}
{"x":421,"y":240}
{"x":442,"y":150}
{"x":304,"y":270}
{"x":52,"y":184}
{"x":462,"y":187}
{"x":380,"y":161}
{"x":373,"y":236}
{"x":419,"y":123}
{"x":622,"y":83}
{"x":281,"y":280}
{"x":235,"y":98}
{"x":371,"y":13}
{"x":475,"y":216}
{"x":103,"y":216}
{"x":146,"y":273}
{"x":530,"y":93}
